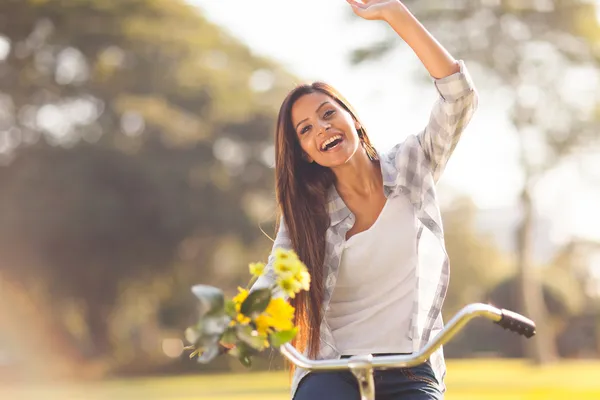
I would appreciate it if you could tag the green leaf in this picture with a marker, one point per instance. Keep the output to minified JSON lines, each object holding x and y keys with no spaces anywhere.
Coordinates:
{"x":212,"y":300}
{"x":243,"y":353}
{"x":280,"y":338}
{"x":229,"y":336}
{"x":249,"y":336}
{"x":256,"y":302}
{"x":245,"y":360}
{"x":230,"y":308}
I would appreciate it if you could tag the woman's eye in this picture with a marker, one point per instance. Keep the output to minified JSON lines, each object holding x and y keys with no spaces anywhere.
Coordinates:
{"x":305,"y":129}
{"x":328,"y":113}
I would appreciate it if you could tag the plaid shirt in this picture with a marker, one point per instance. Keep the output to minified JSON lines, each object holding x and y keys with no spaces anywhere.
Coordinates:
{"x":409,"y":169}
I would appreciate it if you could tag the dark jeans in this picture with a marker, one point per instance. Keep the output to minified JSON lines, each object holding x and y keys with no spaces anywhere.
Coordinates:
{"x":415,"y":383}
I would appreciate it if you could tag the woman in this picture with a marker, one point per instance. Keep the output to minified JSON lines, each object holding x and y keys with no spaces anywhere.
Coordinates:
{"x":367,"y":225}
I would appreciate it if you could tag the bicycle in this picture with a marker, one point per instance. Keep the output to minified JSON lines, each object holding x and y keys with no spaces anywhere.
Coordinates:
{"x":362,"y":366}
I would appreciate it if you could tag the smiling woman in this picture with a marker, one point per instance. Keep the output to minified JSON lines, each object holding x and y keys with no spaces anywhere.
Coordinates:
{"x":324,"y":122}
{"x":367,"y":224}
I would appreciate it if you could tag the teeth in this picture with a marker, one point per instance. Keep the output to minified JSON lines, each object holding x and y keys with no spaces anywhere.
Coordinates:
{"x":331,"y":139}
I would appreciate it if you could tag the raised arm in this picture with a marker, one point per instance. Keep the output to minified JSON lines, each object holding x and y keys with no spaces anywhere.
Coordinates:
{"x":457,"y":96}
{"x":433,"y":55}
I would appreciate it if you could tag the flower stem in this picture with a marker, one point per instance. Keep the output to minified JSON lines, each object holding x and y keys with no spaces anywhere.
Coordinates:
{"x":252,"y":281}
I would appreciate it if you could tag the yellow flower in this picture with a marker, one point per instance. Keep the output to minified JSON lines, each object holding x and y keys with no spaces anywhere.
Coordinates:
{"x":237,"y":301}
{"x":292,"y":274}
{"x":279,"y":315}
{"x":286,"y":268}
{"x":282,"y":254}
{"x":257,"y":269}
{"x":262,"y":324}
{"x":282,"y":267}
{"x":289,"y":285}
{"x":240,"y":297}
{"x":303,"y":279}
{"x":242,"y":319}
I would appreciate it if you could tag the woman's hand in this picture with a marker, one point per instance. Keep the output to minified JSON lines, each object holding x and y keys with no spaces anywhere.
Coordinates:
{"x":433,"y":55}
{"x":377,"y":9}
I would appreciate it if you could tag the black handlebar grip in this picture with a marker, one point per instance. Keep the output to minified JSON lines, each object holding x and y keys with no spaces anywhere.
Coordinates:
{"x":517,"y":323}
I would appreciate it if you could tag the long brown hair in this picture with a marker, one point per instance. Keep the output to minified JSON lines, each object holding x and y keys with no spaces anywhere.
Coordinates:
{"x":301,"y":192}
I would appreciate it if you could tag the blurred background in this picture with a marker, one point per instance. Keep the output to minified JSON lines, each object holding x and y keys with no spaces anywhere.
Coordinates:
{"x":136,"y":159}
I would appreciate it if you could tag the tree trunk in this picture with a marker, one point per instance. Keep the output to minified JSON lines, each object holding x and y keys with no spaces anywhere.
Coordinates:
{"x":542,"y":347}
{"x":97,"y":317}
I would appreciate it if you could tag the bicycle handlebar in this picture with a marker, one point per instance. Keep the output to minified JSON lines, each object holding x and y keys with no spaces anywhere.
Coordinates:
{"x":505,"y":318}
{"x":517,"y":323}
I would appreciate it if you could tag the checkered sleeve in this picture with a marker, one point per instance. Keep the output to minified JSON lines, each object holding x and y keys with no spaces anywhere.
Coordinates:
{"x":282,"y":240}
{"x":451,"y":113}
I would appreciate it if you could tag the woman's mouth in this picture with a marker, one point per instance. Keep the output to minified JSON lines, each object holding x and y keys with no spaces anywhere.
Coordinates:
{"x":332,"y":143}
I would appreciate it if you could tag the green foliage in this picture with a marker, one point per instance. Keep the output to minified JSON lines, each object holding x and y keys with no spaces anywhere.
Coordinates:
{"x":252,"y":320}
{"x":247,"y":335}
{"x":212,"y":323}
{"x":137,"y":130}
{"x":475,"y":260}
{"x":282,"y":337}
{"x":256,"y":302}
{"x":243,"y":352}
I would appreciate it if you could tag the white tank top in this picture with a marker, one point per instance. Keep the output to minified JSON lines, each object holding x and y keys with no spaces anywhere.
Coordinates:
{"x":371,"y":305}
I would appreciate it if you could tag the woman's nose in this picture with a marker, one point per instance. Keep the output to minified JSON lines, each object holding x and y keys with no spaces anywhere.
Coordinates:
{"x":324,"y":125}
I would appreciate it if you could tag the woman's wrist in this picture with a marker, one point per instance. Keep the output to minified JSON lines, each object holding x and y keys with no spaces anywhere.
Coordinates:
{"x":397,"y":16}
{"x":405,"y":24}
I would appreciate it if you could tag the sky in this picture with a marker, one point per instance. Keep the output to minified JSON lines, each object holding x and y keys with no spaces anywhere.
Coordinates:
{"x":313,"y":39}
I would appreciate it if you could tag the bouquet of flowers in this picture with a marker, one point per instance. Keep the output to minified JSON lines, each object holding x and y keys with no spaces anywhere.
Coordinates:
{"x":251,"y":321}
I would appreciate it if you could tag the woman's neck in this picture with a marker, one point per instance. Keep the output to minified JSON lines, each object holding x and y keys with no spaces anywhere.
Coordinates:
{"x":359,"y":177}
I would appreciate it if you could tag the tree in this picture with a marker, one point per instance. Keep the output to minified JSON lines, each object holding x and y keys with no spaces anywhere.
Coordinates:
{"x":136,"y":130}
{"x":477,"y":264}
{"x":529,"y":49}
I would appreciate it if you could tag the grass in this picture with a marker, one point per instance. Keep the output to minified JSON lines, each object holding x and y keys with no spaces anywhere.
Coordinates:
{"x":467,"y":380}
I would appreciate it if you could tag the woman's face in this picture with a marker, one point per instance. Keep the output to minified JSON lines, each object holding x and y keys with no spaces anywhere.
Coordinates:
{"x":326,"y":131}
